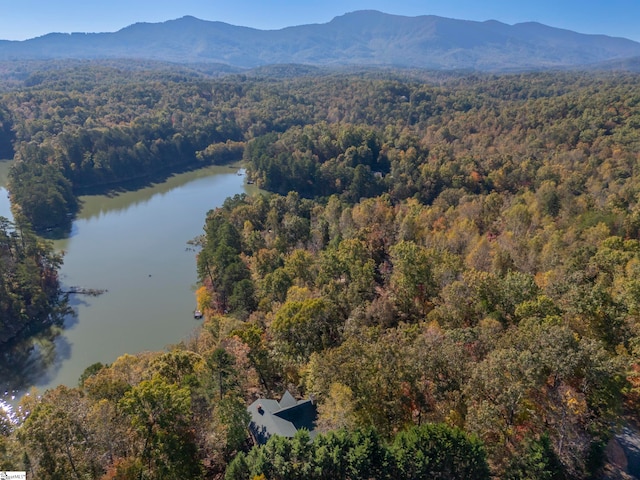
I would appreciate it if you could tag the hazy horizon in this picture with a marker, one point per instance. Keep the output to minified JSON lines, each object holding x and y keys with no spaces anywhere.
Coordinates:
{"x":33,"y":18}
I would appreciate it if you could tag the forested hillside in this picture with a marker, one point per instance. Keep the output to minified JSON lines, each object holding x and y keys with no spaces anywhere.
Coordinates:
{"x":458,"y":252}
{"x":30,"y":297}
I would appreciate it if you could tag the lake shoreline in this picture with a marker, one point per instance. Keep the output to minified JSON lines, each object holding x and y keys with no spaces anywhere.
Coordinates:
{"x":132,"y":244}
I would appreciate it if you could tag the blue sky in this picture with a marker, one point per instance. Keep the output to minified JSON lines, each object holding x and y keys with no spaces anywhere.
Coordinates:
{"x":21,"y":19}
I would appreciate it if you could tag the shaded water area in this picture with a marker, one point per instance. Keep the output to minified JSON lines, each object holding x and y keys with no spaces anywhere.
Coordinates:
{"x":134,"y":245}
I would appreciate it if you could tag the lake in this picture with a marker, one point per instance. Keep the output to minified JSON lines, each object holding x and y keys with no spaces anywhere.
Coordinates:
{"x":134,"y":245}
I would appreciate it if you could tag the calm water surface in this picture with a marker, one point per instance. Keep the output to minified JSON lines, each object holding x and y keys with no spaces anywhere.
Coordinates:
{"x":134,"y":245}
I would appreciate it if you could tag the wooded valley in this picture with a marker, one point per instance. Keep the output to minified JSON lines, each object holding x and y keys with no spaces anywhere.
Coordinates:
{"x":449,"y":263}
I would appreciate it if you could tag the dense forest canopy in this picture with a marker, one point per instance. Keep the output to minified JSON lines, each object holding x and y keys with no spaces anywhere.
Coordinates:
{"x":30,"y":297}
{"x":460,"y":252}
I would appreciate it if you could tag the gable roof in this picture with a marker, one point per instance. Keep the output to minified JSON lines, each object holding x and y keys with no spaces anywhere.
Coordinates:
{"x":284,"y":418}
{"x":287,"y":400}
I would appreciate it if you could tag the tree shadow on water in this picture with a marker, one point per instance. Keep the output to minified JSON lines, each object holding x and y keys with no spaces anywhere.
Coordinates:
{"x":32,"y":362}
{"x":74,"y":301}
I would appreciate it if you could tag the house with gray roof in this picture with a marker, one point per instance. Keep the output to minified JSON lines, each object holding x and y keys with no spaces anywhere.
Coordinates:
{"x":284,"y":417}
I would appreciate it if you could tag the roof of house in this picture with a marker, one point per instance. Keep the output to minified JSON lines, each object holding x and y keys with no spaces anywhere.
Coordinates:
{"x":284,"y":418}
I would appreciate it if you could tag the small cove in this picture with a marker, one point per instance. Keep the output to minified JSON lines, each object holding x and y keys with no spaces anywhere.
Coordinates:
{"x":134,"y":245}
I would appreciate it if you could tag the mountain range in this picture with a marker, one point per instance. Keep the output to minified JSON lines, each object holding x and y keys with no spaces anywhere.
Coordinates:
{"x":365,"y":38}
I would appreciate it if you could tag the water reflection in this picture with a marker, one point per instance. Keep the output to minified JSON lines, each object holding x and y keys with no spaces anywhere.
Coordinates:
{"x":36,"y":361}
{"x":32,"y":362}
{"x":5,"y":165}
{"x":100,"y":203}
{"x":5,"y":205}
{"x":134,"y":245}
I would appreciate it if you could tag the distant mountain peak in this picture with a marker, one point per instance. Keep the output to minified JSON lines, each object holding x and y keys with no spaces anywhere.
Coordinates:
{"x":367,"y":13}
{"x":362,"y":37}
